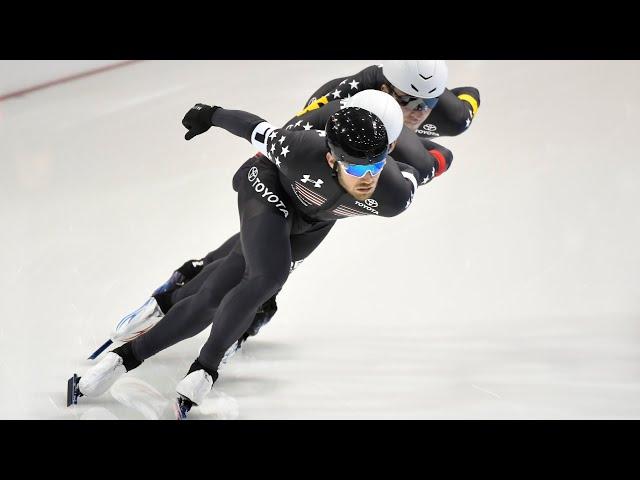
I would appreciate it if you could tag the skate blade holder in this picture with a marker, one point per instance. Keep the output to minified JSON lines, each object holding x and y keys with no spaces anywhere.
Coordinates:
{"x":100,"y":349}
{"x":73,"y":393}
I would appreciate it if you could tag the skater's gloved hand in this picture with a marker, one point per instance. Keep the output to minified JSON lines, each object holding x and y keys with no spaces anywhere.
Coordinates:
{"x":198,"y":120}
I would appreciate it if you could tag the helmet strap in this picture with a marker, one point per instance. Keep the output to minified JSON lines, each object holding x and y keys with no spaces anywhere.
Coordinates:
{"x":334,"y":169}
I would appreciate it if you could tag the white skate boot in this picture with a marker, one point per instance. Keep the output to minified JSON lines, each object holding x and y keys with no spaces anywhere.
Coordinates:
{"x":192,"y":390}
{"x":133,"y":325}
{"x":137,"y":322}
{"x":100,"y":377}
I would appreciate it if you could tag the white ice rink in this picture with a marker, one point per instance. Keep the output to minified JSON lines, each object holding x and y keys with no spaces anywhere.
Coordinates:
{"x":509,"y":289}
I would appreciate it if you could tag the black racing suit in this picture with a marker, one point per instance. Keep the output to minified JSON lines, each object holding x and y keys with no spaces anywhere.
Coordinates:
{"x":288,"y":189}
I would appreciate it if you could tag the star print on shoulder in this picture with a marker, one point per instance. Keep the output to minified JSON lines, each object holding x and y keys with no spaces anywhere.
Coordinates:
{"x":336,"y":94}
{"x":281,"y":139}
{"x":285,"y":150}
{"x":409,"y":201}
{"x":273,"y":135}
{"x":429,"y":176}
{"x":354,"y":85}
{"x":307,"y":126}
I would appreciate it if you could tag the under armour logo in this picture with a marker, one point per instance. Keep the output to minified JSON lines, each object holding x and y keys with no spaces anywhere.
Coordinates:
{"x":316,"y":183}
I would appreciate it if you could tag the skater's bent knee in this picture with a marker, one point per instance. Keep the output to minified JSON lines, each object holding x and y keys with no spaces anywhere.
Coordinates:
{"x":270,"y":282}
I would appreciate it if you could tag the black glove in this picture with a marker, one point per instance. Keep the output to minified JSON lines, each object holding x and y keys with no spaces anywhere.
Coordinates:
{"x":198,"y":120}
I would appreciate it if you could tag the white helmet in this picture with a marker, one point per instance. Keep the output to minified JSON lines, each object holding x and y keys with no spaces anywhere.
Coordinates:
{"x":419,"y":78}
{"x":382,"y":105}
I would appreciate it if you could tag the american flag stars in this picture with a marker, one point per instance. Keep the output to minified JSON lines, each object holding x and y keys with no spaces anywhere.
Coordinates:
{"x":430,"y":176}
{"x":284,"y":150}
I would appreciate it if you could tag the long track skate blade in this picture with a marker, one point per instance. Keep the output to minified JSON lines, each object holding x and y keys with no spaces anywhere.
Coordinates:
{"x":102,"y":348}
{"x":72,"y":390}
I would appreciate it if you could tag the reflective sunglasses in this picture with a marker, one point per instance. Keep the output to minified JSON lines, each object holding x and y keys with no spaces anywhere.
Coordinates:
{"x":414,"y":103}
{"x":360,"y":171}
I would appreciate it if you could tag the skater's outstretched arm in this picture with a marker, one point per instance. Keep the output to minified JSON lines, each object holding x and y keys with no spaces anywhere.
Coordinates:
{"x":201,"y":117}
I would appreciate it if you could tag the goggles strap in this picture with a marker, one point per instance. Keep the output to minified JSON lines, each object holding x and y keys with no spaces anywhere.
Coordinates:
{"x":334,"y":170}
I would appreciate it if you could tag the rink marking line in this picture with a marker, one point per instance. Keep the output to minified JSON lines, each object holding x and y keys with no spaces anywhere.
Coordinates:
{"x":134,"y":102}
{"x":486,"y":391}
{"x":66,"y":79}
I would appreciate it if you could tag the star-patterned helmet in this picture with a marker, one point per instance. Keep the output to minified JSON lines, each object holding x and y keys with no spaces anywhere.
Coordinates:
{"x":420,"y":78}
{"x":384,"y":106}
{"x":357,"y":136}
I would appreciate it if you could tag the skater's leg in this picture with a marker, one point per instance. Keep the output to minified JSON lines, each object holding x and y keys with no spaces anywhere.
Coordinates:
{"x":223,"y":250}
{"x":183,"y":282}
{"x":187,"y":318}
{"x":191,"y":315}
{"x":168,"y":299}
{"x":267,"y":252}
{"x":191,"y":269}
{"x":302,"y":245}
{"x":212,"y":261}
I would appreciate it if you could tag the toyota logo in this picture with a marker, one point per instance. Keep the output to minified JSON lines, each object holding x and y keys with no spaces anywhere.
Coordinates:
{"x":371,"y":202}
{"x":253,"y":174}
{"x":429,"y":127}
